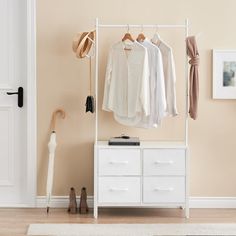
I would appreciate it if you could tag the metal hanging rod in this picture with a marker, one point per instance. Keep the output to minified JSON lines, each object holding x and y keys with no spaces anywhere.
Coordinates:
{"x":141,"y":25}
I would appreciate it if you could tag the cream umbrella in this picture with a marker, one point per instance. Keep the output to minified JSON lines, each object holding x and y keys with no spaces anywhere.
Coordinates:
{"x":52,"y":148}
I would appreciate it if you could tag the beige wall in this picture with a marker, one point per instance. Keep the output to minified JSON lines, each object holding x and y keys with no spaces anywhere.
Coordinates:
{"x":63,"y":82}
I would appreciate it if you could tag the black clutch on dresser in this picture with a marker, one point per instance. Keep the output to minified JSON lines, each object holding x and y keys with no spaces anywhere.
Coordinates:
{"x":124,"y":141}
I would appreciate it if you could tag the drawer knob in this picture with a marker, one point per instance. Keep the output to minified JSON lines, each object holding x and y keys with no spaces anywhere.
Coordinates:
{"x":164,"y":162}
{"x":119,"y":162}
{"x":119,"y":189}
{"x":164,"y":189}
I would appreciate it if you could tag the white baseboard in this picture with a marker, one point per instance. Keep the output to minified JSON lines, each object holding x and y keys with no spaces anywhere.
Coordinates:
{"x":212,"y":202}
{"x":60,"y":201}
{"x":194,"y":202}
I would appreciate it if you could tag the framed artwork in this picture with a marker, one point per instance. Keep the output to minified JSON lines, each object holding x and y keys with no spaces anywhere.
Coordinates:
{"x":224,"y":74}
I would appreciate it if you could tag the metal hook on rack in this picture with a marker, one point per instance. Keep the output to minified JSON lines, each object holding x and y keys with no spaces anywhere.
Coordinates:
{"x":157,"y":27}
{"x":156,"y":38}
{"x":142,"y":28}
{"x":127,"y":28}
{"x":93,"y":48}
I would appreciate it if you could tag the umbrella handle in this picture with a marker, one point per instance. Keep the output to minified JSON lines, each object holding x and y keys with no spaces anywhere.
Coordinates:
{"x":60,"y":112}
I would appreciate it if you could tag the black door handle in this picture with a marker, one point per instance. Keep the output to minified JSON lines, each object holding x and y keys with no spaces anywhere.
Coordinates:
{"x":20,"y":96}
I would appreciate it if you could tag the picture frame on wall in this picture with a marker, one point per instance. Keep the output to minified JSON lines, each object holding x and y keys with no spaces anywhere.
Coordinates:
{"x":224,"y":74}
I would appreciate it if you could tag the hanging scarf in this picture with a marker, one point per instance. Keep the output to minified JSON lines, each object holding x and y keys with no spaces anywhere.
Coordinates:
{"x":192,"y":52}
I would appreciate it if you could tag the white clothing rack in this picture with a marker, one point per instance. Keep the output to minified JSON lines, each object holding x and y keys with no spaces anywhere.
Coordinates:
{"x":115,"y":151}
{"x":184,"y":26}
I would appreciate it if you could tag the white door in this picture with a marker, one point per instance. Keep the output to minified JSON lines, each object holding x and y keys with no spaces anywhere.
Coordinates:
{"x":14,"y":169}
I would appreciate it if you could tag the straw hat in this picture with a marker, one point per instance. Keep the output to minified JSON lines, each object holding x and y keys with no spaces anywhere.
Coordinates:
{"x":82,"y":43}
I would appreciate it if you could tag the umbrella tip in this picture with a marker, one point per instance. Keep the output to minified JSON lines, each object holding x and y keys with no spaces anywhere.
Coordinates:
{"x":47,"y":210}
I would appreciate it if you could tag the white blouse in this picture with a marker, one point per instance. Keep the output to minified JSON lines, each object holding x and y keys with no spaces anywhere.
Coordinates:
{"x":127,"y":91}
{"x":157,"y":87}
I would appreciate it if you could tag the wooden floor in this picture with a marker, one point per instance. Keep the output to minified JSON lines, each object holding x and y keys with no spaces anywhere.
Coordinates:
{"x":15,"y":222}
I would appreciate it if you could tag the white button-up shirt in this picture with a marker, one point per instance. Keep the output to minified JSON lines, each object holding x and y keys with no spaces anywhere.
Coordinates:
{"x":127,"y":91}
{"x":170,"y":76}
{"x":157,"y":87}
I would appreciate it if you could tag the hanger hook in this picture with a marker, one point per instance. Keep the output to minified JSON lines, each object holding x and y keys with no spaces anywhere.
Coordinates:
{"x":128,"y":28}
{"x":142,"y":29}
{"x":156,"y":28}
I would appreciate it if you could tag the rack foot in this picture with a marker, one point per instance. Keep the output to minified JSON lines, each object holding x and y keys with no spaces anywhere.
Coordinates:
{"x":95,"y":212}
{"x":187,"y":212}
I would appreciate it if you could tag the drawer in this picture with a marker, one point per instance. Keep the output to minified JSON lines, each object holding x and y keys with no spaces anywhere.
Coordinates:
{"x":119,"y":162}
{"x":163,"y":189}
{"x":164,"y":162}
{"x":119,"y":189}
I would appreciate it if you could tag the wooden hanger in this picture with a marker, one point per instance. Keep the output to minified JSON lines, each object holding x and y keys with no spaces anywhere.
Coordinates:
{"x":127,"y":36}
{"x":141,"y":37}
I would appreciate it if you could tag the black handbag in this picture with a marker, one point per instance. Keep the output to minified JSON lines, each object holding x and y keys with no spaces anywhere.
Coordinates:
{"x":90,"y":104}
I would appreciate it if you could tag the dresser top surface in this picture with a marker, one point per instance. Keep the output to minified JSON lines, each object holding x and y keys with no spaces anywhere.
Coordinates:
{"x":143,"y":144}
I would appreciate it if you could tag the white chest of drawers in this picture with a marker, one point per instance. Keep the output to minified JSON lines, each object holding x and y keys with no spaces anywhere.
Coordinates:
{"x":150,"y":175}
